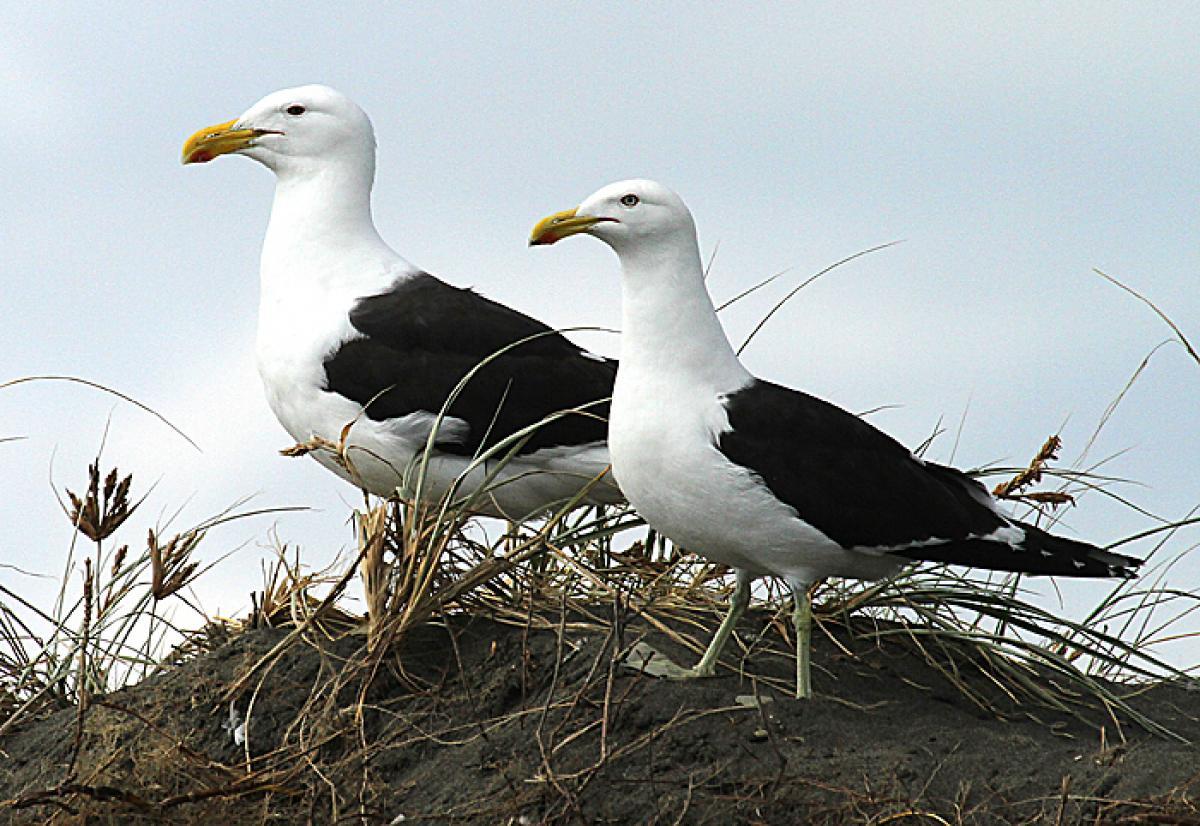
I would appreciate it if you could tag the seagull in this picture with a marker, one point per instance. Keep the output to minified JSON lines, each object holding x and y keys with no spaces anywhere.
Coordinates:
{"x":769,"y":480}
{"x":367,"y":360}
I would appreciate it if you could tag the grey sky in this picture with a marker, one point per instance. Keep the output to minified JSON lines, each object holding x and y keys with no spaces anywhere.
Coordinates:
{"x":1013,"y":146}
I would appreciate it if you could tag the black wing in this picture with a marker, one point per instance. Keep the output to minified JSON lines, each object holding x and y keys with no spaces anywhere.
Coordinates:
{"x":864,"y":489}
{"x":422,"y":336}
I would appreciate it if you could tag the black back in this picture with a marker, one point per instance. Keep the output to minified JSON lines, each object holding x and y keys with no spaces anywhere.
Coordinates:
{"x":851,"y":481}
{"x":421,"y":337}
{"x":865,"y":490}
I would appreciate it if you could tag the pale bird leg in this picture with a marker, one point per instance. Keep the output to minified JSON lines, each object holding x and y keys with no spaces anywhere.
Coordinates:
{"x":802,"y":620}
{"x":737,"y":606}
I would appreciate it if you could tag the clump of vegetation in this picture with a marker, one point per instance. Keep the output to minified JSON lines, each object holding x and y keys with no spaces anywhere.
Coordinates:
{"x":506,"y":674}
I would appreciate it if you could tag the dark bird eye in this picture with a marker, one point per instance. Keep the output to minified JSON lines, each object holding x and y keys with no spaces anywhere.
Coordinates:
{"x":295,"y":109}
{"x":630,"y":200}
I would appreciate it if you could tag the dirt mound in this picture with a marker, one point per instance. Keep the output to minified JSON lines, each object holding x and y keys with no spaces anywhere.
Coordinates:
{"x":474,"y":721}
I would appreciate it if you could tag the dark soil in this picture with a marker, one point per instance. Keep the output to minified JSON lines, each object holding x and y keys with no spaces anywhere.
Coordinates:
{"x":480,"y":722}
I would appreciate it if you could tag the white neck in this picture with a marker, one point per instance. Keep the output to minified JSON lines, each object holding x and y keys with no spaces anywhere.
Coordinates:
{"x":669,"y":326}
{"x":321,"y":233}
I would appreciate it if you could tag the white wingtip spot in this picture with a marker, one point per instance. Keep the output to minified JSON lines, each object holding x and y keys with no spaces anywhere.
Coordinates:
{"x":1009,"y":534}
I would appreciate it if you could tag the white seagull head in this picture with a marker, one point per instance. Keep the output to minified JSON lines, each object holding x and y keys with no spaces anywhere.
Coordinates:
{"x":293,"y":131}
{"x":630,"y":216}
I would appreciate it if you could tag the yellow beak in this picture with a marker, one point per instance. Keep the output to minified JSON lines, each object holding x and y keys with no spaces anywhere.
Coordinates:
{"x":561,"y":224}
{"x":220,"y":139}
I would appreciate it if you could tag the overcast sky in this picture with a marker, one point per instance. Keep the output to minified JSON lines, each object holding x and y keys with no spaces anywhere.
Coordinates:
{"x":1013,"y":147}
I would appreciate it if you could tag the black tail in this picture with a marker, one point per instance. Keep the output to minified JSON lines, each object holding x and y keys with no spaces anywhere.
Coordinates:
{"x":1069,"y":557}
{"x":1039,"y":553}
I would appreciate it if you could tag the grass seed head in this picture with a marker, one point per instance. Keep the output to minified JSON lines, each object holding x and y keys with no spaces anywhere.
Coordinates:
{"x":1032,"y":474}
{"x":171,"y":568}
{"x":100,"y":512}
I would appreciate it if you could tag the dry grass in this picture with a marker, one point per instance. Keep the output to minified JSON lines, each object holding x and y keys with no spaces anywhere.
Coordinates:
{"x":580,"y":568}
{"x":420,"y":561}
{"x":119,"y":611}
